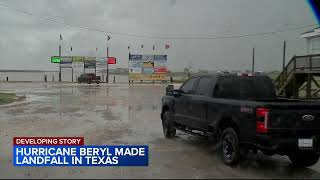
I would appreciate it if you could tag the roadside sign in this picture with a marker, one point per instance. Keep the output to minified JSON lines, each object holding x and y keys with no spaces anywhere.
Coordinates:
{"x":101,"y":60}
{"x":112,"y":60}
{"x":77,"y":59}
{"x":89,"y":62}
{"x":147,"y":67}
{"x":66,"y":60}
{"x":66,"y":65}
{"x":55,"y":59}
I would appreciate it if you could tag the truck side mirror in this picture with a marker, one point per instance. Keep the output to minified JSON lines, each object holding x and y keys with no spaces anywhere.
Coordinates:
{"x":169,"y":89}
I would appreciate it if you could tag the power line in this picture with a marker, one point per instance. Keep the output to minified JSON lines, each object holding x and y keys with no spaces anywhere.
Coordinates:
{"x":211,"y":37}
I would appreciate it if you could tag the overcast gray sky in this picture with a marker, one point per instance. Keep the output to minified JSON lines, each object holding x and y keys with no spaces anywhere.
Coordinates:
{"x":27,"y":42}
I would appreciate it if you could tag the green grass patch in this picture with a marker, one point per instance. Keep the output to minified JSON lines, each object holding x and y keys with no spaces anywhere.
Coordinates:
{"x":7,"y":98}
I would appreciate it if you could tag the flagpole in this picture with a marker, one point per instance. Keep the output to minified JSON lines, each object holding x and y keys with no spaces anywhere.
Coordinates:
{"x":95,"y":67}
{"x":142,"y":52}
{"x":128,"y":64}
{"x":71,"y":64}
{"x":107,"y":80}
{"x":60,"y":58}
{"x":153,"y":58}
{"x":108,"y":38}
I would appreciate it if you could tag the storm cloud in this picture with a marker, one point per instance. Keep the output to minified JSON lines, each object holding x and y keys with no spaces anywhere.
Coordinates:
{"x":28,"y":41}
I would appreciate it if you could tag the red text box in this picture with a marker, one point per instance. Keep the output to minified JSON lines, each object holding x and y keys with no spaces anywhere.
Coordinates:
{"x":48,"y":141}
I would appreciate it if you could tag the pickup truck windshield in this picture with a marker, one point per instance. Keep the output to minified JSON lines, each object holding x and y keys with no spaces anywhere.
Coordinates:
{"x":244,"y":88}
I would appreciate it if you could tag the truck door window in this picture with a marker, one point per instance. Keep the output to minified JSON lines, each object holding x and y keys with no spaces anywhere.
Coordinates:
{"x":244,"y":88}
{"x":187,"y":88}
{"x":257,"y":88}
{"x":204,"y":85}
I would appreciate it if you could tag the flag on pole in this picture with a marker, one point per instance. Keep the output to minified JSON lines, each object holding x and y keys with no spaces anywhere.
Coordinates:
{"x":153,"y":47}
{"x":71,"y":48}
{"x":167,"y":46}
{"x":109,"y":37}
{"x":60,"y":37}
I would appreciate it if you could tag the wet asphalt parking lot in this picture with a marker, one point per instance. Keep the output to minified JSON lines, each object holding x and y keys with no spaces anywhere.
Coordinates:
{"x":120,"y":114}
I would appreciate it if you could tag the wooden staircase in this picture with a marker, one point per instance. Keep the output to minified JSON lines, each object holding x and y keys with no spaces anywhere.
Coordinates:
{"x":299,"y":78}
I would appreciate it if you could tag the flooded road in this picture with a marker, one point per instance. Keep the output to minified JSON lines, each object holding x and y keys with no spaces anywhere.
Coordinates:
{"x":120,"y":114}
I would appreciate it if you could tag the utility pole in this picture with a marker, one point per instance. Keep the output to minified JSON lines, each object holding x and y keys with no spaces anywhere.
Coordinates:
{"x":252,"y":61}
{"x":284,"y":55}
{"x":284,"y":74}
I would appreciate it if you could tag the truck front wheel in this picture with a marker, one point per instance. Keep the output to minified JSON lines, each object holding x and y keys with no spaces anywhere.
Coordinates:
{"x":304,"y":158}
{"x":230,"y":147}
{"x":169,"y":130}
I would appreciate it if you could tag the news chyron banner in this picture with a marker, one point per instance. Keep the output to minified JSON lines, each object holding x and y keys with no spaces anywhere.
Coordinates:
{"x":147,"y":67}
{"x":71,"y":151}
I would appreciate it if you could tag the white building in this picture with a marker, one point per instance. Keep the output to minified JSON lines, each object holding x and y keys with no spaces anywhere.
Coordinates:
{"x":312,"y":41}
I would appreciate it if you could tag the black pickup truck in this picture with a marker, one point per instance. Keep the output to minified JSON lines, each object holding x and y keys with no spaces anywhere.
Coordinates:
{"x":244,"y":114}
{"x":88,"y":78}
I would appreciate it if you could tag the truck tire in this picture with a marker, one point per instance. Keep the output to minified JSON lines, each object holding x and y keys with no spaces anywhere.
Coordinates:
{"x":304,"y":158}
{"x":230,"y":147}
{"x":169,"y":130}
